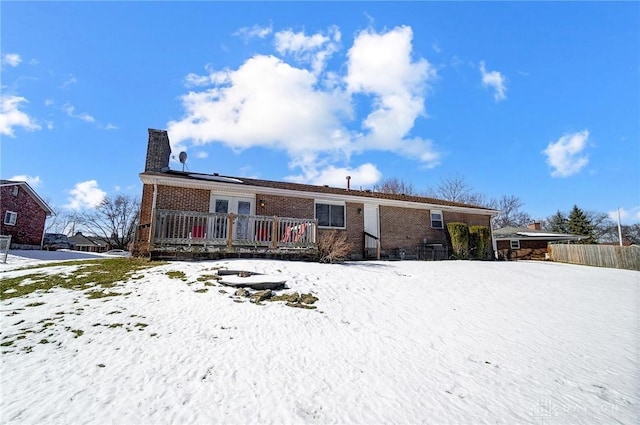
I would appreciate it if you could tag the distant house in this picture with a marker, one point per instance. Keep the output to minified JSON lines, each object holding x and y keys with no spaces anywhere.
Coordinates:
{"x":88,"y":243}
{"x":527,"y":243}
{"x":194,"y":214}
{"x":23,"y":214}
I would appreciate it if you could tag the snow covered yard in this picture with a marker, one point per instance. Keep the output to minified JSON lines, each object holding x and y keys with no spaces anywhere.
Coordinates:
{"x":389,"y":342}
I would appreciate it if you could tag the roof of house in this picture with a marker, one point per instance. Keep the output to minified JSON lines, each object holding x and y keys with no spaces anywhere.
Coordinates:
{"x":299,"y":187}
{"x":47,"y":209}
{"x":80,"y":239}
{"x":531,"y":234}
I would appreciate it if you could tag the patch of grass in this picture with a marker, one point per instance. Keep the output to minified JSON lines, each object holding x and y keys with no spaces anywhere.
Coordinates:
{"x":173,"y":274}
{"x":92,"y":295}
{"x":201,"y":290}
{"x":78,"y":332}
{"x":115,"y":325}
{"x":6,"y":344}
{"x":34,"y":304}
{"x":141,"y":325}
{"x":44,"y":341}
{"x":103,"y":273}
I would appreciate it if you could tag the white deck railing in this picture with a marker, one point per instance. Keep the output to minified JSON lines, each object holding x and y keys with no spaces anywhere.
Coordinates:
{"x":215,"y":229}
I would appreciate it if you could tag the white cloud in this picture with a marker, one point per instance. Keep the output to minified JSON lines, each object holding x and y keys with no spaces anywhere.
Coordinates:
{"x":495,"y":80}
{"x":627,"y":216}
{"x":85,"y":194}
{"x":33,"y":181}
{"x":202,"y":155}
{"x":11,"y":116}
{"x":110,"y":126}
{"x":363,"y":176}
{"x":49,"y":102}
{"x":254,"y":31}
{"x":565,"y":155}
{"x":70,"y":110}
{"x":11,"y":59}
{"x":309,"y":112}
{"x":69,"y":81}
{"x":381,"y":65}
{"x":315,"y":49}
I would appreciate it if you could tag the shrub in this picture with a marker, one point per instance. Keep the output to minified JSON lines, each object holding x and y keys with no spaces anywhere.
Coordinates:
{"x":479,"y":241}
{"x":459,"y":233}
{"x":333,"y":246}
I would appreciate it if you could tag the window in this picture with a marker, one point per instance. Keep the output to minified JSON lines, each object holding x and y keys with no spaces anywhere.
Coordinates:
{"x":15,"y":190}
{"x":514,"y":244}
{"x":436,"y":219}
{"x":330,"y":215}
{"x":10,"y":218}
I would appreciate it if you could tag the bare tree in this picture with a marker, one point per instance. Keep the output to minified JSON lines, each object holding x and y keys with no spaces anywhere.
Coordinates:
{"x":510,"y":214}
{"x":114,"y":220}
{"x":395,"y":185}
{"x":61,"y":221}
{"x":456,"y":189}
{"x":602,"y":225}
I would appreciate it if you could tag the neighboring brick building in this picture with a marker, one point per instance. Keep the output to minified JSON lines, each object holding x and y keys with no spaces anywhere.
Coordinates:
{"x":23,"y":214}
{"x":398,"y":223}
{"x":528,"y":243}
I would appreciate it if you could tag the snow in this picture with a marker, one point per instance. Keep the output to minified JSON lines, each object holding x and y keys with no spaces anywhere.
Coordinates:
{"x":390,"y":342}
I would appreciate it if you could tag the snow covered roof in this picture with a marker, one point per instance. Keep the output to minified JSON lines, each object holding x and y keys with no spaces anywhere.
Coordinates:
{"x":185,"y":177}
{"x":526,"y":233}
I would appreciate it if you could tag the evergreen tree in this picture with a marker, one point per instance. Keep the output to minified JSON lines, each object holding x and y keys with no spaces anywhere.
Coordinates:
{"x":558,"y":223}
{"x":579,"y":224}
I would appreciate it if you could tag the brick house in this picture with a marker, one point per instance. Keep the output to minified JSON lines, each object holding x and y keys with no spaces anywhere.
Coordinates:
{"x":23,"y":214}
{"x":84,"y":243}
{"x":528,"y":243}
{"x":186,"y":212}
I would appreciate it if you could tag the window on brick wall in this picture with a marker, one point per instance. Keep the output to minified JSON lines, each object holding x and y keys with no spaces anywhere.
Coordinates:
{"x":10,"y":218}
{"x":15,"y":190}
{"x":436,"y":219}
{"x":514,"y":244}
{"x":330,"y":215}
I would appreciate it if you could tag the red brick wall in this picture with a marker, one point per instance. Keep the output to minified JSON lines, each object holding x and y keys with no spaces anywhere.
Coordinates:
{"x":285,"y":206}
{"x":406,"y":228}
{"x":141,"y":243}
{"x":183,"y":199}
{"x":470,"y":219}
{"x":29,"y":226}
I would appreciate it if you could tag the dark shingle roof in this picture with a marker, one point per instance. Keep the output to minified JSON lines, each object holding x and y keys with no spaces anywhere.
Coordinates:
{"x":318,"y":189}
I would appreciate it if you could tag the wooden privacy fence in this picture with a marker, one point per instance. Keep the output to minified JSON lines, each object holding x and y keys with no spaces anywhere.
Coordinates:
{"x":618,"y":257}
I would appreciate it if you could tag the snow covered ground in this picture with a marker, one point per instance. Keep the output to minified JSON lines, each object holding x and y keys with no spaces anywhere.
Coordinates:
{"x":450,"y":342}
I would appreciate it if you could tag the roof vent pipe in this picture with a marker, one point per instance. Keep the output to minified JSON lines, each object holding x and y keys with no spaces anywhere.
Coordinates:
{"x":348,"y":182}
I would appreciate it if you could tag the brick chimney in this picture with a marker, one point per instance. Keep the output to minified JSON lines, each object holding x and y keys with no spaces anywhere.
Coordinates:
{"x":158,"y":151}
{"x":535,"y":226}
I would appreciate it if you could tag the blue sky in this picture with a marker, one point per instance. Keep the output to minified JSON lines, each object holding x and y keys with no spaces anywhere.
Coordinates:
{"x":537,"y":100}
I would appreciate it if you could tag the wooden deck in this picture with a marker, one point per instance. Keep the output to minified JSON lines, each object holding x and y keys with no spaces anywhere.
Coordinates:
{"x":199,"y":234}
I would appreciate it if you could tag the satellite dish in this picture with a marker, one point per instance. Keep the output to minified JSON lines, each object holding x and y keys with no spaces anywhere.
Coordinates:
{"x":182,"y":157}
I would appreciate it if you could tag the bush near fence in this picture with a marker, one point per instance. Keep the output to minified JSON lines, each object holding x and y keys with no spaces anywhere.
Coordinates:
{"x":618,"y":257}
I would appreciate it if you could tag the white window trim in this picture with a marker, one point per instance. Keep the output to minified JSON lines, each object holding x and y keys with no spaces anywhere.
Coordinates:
{"x":432,"y":212}
{"x":514,"y":243}
{"x":337,"y":203}
{"x":10,"y":218}
{"x":16,"y":189}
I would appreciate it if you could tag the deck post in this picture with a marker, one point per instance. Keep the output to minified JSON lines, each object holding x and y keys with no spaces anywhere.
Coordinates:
{"x":230,"y":233}
{"x":274,"y":236}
